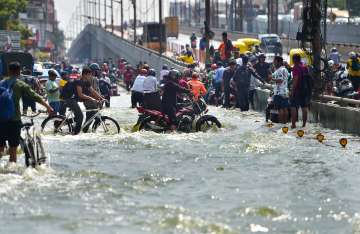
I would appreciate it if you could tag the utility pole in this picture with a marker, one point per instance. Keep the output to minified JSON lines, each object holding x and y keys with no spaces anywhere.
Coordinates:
{"x":207,"y":29}
{"x":161,"y":27}
{"x":122,"y":18}
{"x":273,"y":12}
{"x":134,"y":5}
{"x":105,"y":18}
{"x":112,"y":15}
{"x":99,"y":9}
{"x":316,"y":44}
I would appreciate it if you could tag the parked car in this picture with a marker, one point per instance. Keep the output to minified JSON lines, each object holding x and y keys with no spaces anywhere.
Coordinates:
{"x":270,"y":43}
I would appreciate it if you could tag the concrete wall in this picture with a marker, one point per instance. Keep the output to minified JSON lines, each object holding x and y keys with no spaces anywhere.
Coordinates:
{"x":329,"y":115}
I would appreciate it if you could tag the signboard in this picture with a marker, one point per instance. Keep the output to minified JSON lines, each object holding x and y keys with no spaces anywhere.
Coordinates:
{"x":172,"y":26}
{"x":10,"y":41}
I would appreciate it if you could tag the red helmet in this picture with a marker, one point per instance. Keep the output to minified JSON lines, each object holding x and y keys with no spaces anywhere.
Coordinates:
{"x":213,"y":66}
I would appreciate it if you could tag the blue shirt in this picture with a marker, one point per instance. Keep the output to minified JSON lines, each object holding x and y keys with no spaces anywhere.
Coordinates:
{"x":219,"y":74}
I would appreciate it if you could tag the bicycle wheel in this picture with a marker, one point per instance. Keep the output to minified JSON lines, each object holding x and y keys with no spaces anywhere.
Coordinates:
{"x":34,"y":158}
{"x":56,"y":125}
{"x":207,"y":122}
{"x":107,"y":126}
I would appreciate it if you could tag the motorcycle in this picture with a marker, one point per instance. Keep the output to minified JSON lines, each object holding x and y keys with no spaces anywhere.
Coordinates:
{"x":271,"y":113}
{"x":188,"y":114}
{"x":342,"y":86}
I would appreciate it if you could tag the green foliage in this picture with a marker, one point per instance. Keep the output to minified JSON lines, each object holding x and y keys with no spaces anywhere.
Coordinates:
{"x":9,"y":10}
{"x":15,"y":25}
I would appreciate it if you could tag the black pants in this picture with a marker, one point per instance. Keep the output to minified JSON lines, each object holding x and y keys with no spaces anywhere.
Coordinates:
{"x":152,"y":101}
{"x":136,"y":98}
{"x":89,"y":105}
{"x":28,"y":102}
{"x":128,"y":85}
{"x":355,"y":82}
{"x":107,"y":97}
{"x":243,"y":99}
{"x":251,"y":98}
{"x":73,"y":105}
{"x":227,"y":97}
{"x":170,"y":111}
{"x":10,"y":132}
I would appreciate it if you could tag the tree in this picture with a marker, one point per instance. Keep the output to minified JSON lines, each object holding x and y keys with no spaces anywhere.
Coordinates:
{"x":9,"y":10}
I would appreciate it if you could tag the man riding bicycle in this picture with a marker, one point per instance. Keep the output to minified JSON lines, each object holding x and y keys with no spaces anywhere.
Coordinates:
{"x":80,"y":90}
{"x":10,"y":117}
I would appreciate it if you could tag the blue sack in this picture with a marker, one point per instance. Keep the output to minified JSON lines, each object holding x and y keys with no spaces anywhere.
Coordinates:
{"x":7,"y":105}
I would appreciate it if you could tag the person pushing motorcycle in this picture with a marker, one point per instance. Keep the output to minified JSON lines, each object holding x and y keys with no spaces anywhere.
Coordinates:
{"x":169,"y":98}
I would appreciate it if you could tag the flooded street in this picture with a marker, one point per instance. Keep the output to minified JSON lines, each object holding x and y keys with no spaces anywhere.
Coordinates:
{"x":244,"y":178}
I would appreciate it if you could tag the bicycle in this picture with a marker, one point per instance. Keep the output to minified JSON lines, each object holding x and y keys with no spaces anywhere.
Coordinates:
{"x":31,"y":144}
{"x":64,"y":125}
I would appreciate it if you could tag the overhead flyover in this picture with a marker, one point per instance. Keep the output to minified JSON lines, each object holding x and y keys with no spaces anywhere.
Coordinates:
{"x":96,"y":43}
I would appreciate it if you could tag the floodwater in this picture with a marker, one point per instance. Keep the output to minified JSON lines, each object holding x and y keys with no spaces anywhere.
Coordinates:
{"x":244,"y":178}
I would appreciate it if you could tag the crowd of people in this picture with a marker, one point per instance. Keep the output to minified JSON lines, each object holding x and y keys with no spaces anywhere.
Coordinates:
{"x":229,"y":80}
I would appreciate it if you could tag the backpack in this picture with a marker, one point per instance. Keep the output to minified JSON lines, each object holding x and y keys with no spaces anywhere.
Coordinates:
{"x":104,"y":87}
{"x":242,"y":77}
{"x":7,"y":104}
{"x":68,"y":91}
{"x":355,"y":66}
{"x":306,"y":84}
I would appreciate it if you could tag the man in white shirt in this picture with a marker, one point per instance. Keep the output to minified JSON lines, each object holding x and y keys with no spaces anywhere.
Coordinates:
{"x":281,"y":91}
{"x":163,"y":72}
{"x":137,"y":90}
{"x":152,"y":99}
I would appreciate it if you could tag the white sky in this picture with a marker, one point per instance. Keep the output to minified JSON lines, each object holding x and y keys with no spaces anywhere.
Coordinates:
{"x":65,"y":9}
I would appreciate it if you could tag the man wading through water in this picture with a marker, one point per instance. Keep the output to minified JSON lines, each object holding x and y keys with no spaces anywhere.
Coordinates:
{"x":301,"y":91}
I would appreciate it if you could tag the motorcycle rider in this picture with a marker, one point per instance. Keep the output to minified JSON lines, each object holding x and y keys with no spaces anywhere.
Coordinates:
{"x":95,"y":69}
{"x":169,"y":98}
{"x":137,"y":90}
{"x":152,"y":99}
{"x":353,"y":65}
{"x":105,"y":88}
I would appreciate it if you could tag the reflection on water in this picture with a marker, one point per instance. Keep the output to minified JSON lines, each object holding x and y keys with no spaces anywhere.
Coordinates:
{"x":244,"y":178}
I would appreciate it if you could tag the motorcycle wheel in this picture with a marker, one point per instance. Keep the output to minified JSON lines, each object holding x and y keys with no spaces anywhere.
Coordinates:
{"x":151,"y":124}
{"x":207,"y":122}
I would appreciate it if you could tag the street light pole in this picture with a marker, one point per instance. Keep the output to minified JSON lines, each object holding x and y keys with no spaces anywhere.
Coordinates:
{"x":105,"y":18}
{"x":134,"y":5}
{"x":99,"y":9}
{"x":112,"y":16}
{"x":207,"y":29}
{"x":161,"y":27}
{"x":122,"y":19}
